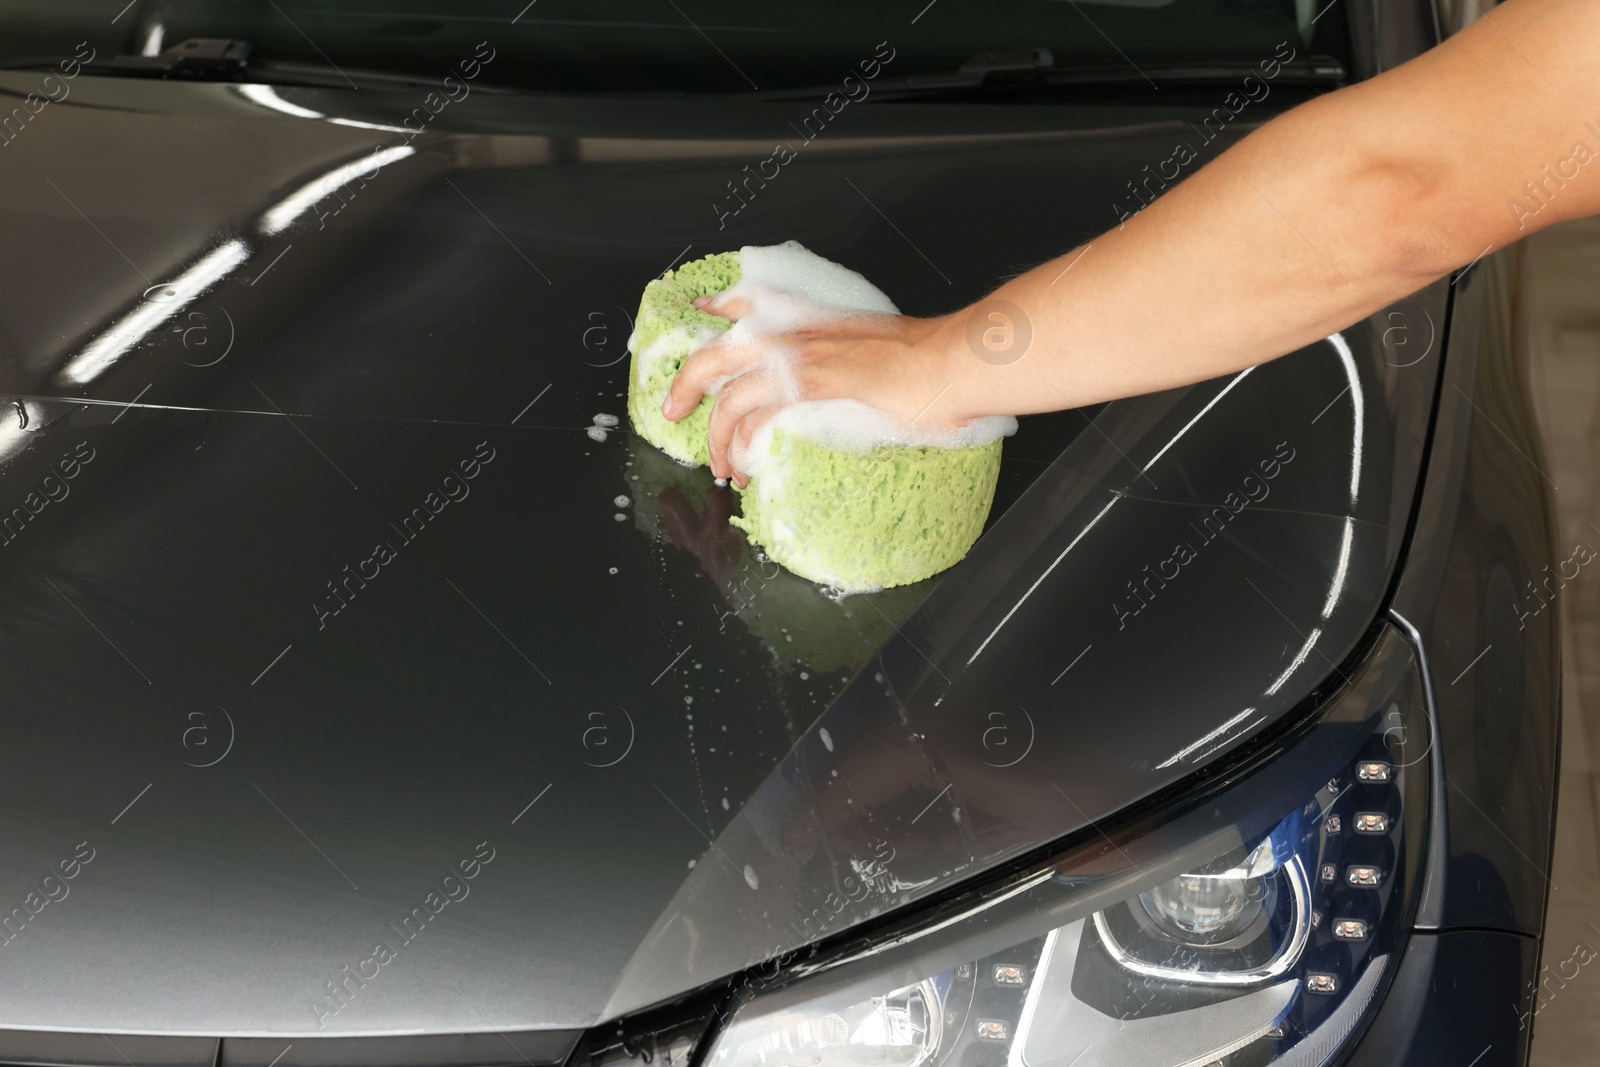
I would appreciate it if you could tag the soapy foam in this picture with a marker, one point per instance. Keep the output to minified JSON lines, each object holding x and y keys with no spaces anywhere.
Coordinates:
{"x":851,"y":426}
{"x":676,"y":340}
{"x":794,"y":269}
{"x":788,"y":286}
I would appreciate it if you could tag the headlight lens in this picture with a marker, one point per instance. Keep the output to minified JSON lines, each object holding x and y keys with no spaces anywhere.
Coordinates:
{"x":1209,"y":907}
{"x":1238,"y":921}
{"x":1225,"y":938}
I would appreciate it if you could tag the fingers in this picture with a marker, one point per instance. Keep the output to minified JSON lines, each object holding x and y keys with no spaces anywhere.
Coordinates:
{"x":715,"y":361}
{"x":737,"y":399}
{"x":743,"y":435}
{"x":724,"y":305}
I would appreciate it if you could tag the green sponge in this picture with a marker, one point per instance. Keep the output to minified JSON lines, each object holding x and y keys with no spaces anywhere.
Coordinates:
{"x":667,"y":330}
{"x":838,"y":493}
{"x":887,"y":516}
{"x":679,"y":506}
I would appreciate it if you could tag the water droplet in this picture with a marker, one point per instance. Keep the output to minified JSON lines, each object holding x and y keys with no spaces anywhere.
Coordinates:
{"x":621,"y":501}
{"x":691,"y":864}
{"x":725,"y":805}
{"x":750,"y":878}
{"x":596,"y":433}
{"x":805,"y":676}
{"x":608,"y":421}
{"x":688,"y":700}
{"x":611,"y":570}
{"x":620,"y":517}
{"x":827,"y":738}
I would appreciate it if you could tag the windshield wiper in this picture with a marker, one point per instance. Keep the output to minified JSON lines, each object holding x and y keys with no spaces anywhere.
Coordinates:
{"x":1034,"y":69}
{"x":198,"y":58}
{"x":219,"y":59}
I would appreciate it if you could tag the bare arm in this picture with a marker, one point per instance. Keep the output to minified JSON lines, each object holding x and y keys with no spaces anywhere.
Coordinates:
{"x":1323,"y":216}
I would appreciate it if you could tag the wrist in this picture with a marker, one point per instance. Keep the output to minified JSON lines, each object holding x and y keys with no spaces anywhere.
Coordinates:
{"x":945,"y":369}
{"x":974,"y":349}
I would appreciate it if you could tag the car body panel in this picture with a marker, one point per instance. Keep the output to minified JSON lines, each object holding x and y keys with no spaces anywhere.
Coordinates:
{"x":1456,"y":998}
{"x":1478,"y":584}
{"x":206,"y":512}
{"x":280,"y":740}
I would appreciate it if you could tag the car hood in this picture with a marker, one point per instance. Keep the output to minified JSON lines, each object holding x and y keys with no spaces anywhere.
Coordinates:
{"x":367,"y":681}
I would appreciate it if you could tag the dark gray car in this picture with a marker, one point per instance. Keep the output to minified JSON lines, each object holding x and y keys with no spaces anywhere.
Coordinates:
{"x":377,"y":698}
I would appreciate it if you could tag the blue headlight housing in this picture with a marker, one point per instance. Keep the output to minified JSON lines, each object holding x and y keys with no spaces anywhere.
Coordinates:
{"x":1254,"y":921}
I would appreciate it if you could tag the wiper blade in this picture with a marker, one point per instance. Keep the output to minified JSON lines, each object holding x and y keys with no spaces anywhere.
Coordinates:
{"x":1032,"y":69}
{"x":996,"y":65}
{"x":224,"y":60}
{"x":202,"y":58}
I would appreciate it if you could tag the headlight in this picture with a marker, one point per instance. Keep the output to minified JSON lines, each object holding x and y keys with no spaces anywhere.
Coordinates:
{"x":1251,"y":923}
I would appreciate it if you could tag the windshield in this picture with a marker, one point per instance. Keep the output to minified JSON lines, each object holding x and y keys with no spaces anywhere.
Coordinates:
{"x":686,"y":45}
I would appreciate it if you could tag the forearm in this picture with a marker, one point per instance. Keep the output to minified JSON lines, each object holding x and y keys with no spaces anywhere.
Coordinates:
{"x":1220,"y":274}
{"x":1320,"y":218}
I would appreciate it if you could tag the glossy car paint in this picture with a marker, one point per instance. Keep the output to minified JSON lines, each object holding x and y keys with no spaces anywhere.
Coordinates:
{"x":1448,"y":1003}
{"x":375,"y":345}
{"x":1484,"y":533}
{"x":397,"y":714}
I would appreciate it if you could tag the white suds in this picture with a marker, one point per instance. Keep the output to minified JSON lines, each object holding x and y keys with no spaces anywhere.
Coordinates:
{"x":676,"y":340}
{"x":851,"y":426}
{"x":794,"y":270}
{"x":788,"y":286}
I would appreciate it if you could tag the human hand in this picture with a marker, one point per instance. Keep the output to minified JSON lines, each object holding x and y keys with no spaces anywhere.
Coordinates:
{"x":894,"y":363}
